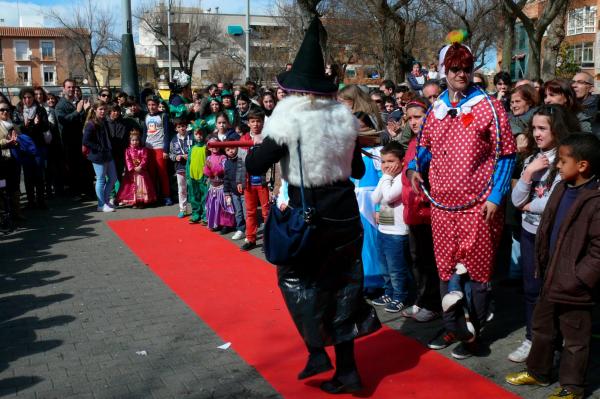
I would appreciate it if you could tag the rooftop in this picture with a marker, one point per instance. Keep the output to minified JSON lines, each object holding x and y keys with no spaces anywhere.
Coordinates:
{"x":15,"y":31}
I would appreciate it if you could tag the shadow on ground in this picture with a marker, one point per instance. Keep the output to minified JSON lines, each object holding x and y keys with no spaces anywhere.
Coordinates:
{"x":31,"y":245}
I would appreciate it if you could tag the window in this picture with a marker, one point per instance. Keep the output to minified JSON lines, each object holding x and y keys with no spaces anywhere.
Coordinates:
{"x":1,"y":74}
{"x":21,"y":50}
{"x":163,"y":52}
{"x":583,"y":54}
{"x":49,"y":75}
{"x":24,"y":75}
{"x":581,"y":20}
{"x":47,"y":49}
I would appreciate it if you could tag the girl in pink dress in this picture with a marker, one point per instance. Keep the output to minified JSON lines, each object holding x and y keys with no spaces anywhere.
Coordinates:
{"x":220,"y":215}
{"x":137,"y":189}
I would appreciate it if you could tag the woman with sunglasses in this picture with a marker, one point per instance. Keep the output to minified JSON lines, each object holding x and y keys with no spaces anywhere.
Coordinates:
{"x":10,"y":171}
{"x":105,"y":95}
{"x":31,"y":119}
{"x":467,"y":154}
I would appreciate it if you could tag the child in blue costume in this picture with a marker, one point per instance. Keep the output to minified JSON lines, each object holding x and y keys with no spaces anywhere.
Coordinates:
{"x":364,"y":188}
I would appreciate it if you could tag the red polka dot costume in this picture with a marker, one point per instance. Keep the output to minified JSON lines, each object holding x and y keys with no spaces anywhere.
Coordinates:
{"x":462,"y":143}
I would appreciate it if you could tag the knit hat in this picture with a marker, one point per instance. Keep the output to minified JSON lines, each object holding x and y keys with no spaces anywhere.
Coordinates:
{"x":308,"y":70}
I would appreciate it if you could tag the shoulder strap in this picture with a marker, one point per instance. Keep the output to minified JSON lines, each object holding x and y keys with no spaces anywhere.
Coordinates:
{"x":301,"y":178}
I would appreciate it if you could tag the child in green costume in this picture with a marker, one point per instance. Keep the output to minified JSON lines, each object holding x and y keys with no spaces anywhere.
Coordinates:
{"x":197,"y":185}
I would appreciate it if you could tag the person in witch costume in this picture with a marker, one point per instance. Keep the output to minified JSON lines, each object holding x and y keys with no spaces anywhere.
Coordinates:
{"x":466,"y":153}
{"x":323,"y":293}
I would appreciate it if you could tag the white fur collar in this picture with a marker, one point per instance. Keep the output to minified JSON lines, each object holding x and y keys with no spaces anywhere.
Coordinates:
{"x":440,"y":109}
{"x":327,"y":132}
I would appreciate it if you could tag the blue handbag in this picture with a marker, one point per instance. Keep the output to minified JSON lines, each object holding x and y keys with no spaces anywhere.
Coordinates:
{"x":288,"y":233}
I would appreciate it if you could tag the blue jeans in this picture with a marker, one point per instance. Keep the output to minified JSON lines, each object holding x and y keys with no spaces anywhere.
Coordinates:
{"x":240,"y":211}
{"x":532,"y":286}
{"x":103,"y":186}
{"x":393,"y":258}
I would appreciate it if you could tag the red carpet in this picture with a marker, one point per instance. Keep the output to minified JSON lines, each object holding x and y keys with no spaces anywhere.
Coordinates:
{"x":236,"y":294}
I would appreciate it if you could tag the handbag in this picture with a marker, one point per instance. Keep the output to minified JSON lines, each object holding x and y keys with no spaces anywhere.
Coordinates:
{"x":288,"y":233}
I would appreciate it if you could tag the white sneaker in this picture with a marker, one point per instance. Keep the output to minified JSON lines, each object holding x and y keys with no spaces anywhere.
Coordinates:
{"x":107,"y":208}
{"x":237,"y":235}
{"x":521,"y":353}
{"x":410,"y":311}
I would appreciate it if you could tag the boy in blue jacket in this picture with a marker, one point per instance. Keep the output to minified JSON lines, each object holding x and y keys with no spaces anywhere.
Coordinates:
{"x":178,"y":152}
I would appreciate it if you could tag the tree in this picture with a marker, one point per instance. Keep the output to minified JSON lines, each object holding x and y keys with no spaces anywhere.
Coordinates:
{"x":192,"y":32}
{"x":392,"y":30}
{"x":566,"y":66}
{"x":90,"y":32}
{"x":477,"y":17}
{"x":553,"y":42}
{"x":508,"y":40}
{"x":535,"y":29}
{"x":223,"y":69}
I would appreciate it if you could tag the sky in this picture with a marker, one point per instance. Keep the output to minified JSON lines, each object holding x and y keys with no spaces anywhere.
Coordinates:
{"x":31,"y":11}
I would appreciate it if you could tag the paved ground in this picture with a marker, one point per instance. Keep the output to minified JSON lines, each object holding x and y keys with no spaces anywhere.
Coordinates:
{"x":77,"y":309}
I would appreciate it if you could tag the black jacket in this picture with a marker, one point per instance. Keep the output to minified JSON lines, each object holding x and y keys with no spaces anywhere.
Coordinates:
{"x":35,"y":131}
{"x":235,"y":173}
{"x":95,"y":138}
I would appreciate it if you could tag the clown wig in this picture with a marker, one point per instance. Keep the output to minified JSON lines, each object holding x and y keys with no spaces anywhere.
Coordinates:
{"x":459,"y":56}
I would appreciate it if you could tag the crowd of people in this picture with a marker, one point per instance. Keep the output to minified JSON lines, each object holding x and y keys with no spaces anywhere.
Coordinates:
{"x":531,"y":146}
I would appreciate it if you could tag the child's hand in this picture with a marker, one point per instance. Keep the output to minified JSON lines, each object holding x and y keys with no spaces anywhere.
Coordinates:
{"x":393,"y":128}
{"x":240,"y":188}
{"x":185,"y":156}
{"x":540,"y":163}
{"x":526,"y":207}
{"x":165,"y":156}
{"x":282,"y":207}
{"x":138,"y":169}
{"x":178,"y":158}
{"x":377,"y":217}
{"x":228,"y":200}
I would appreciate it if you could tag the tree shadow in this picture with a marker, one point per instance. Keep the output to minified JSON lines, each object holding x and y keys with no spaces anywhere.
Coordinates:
{"x":27,"y":256}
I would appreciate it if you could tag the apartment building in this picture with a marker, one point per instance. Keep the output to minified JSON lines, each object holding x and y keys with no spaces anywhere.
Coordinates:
{"x":582,"y":36}
{"x":34,"y":56}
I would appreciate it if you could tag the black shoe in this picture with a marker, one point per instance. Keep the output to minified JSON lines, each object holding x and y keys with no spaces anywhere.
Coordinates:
{"x":248,"y":246}
{"x":443,"y":340}
{"x":465,"y":350}
{"x":225,"y":230}
{"x":348,"y":384}
{"x":316,"y":364}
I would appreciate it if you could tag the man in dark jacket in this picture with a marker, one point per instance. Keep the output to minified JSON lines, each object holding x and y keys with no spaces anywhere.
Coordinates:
{"x":568,"y":257}
{"x":70,"y":113}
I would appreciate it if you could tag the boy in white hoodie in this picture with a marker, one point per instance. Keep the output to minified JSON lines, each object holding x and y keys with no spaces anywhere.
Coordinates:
{"x":392,"y":238}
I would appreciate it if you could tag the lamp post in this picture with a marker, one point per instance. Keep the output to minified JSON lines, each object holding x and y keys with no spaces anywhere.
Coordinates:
{"x":169,"y":39}
{"x":129,"y":75}
{"x":247,"y":39}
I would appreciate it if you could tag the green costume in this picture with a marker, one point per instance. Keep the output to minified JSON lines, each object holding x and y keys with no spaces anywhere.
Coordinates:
{"x":197,"y":183}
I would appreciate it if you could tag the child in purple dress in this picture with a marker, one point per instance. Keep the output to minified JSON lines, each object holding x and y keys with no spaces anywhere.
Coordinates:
{"x":220,"y":215}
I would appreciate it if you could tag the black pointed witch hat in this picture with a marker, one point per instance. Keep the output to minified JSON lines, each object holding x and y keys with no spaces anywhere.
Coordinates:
{"x":308,"y":71}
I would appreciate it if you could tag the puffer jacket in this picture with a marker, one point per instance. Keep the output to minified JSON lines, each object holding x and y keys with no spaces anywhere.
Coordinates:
{"x":572,"y":271}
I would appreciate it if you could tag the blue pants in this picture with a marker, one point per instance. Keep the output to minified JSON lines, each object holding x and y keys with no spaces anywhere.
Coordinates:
{"x":531,"y":285}
{"x":240,"y":211}
{"x":393,"y":257}
{"x":106,"y":176}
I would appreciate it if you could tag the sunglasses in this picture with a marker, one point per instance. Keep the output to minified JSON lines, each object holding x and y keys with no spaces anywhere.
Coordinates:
{"x":456,"y":70}
{"x":4,"y":109}
{"x":103,"y":95}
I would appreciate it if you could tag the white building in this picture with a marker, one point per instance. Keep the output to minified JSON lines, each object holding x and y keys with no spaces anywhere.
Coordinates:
{"x":233,"y":27}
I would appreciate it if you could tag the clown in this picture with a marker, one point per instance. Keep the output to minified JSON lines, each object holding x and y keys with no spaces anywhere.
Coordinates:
{"x":464,"y":163}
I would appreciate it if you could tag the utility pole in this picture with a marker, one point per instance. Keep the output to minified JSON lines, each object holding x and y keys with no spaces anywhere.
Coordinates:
{"x":247,"y":39}
{"x":129,"y":75}
{"x":169,"y":38}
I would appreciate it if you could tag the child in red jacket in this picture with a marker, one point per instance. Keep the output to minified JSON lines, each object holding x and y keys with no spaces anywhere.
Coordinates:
{"x":568,"y":260}
{"x":417,"y":215}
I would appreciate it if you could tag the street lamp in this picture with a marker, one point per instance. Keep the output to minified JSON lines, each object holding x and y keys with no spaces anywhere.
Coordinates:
{"x":169,"y":38}
{"x":129,"y":75}
{"x":247,"y":39}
